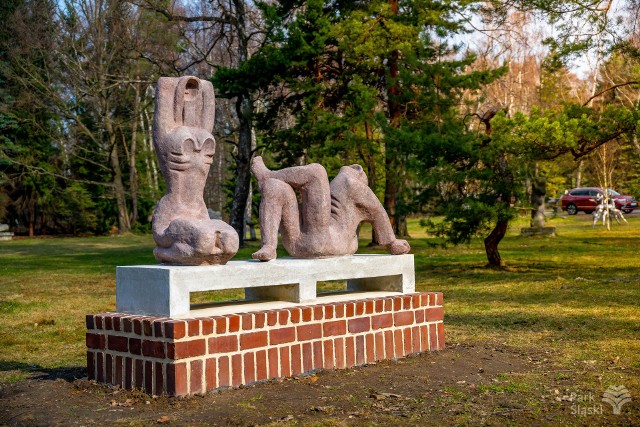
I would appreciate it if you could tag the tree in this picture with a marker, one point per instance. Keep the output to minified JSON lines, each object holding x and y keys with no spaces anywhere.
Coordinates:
{"x":95,"y":45}
{"x":374,"y":82}
{"x":106,"y":48}
{"x":476,"y":179}
{"x":28,"y":157}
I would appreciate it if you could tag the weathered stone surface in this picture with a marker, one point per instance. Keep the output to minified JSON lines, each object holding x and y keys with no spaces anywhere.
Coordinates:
{"x":327,"y":221}
{"x":183,"y":123}
{"x":4,"y":227}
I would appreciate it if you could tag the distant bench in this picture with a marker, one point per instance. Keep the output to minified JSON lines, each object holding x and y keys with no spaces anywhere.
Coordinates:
{"x":5,"y":234}
{"x":163,"y":290}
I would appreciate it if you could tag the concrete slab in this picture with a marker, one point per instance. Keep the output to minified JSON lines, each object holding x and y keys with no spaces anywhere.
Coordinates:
{"x":163,"y":290}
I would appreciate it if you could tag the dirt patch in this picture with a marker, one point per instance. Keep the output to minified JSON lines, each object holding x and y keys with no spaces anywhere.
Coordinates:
{"x":460,"y":385}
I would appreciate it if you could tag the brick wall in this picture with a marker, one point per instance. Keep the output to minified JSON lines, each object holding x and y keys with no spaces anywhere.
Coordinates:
{"x":190,"y":356}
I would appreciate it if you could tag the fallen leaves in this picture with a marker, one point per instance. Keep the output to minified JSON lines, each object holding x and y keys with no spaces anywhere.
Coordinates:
{"x":325,"y":409}
{"x":127,"y":403}
{"x":384,"y":396}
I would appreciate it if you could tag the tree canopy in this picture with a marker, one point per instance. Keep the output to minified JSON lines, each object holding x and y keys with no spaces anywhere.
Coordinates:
{"x":453,"y":108}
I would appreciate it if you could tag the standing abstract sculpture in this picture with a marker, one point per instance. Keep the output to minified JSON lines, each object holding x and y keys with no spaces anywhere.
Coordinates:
{"x":182,"y":127}
{"x":330,"y":213}
{"x":606,"y":210}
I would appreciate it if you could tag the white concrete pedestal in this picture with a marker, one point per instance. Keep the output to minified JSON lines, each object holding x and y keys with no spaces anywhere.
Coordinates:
{"x":163,"y":290}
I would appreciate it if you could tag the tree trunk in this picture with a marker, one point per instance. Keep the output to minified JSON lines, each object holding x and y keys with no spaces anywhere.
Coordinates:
{"x":369,"y":159}
{"x":248,"y":222}
{"x":119,"y":192}
{"x":222,"y":167}
{"x":147,"y":155}
{"x":403,"y":229}
{"x":244,"y":110}
{"x":243,"y":167}
{"x":494,"y":238}
{"x":153,"y":158}
{"x":391,"y":165}
{"x":32,"y":221}
{"x":372,"y":174}
{"x":538,"y":194}
{"x":133,"y":171}
{"x":492,"y":241}
{"x":390,"y":190}
{"x":579,"y":173}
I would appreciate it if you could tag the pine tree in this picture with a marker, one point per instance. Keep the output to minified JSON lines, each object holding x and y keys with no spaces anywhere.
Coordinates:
{"x":372,"y":82}
{"x":28,"y":128}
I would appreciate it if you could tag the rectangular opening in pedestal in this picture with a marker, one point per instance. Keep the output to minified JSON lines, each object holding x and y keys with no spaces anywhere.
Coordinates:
{"x":214,"y":298}
{"x":331,"y":287}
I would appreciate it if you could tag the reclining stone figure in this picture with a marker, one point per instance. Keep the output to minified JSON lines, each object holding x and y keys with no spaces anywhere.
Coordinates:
{"x":327,"y":221}
{"x":182,"y":127}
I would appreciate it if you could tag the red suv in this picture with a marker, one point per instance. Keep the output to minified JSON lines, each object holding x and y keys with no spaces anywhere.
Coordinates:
{"x":586,"y":200}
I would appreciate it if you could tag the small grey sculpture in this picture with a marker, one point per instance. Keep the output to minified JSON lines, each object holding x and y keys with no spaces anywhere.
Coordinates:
{"x":182,"y":127}
{"x":330,"y":214}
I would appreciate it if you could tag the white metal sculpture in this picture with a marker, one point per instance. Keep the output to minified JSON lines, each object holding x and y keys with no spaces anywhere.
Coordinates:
{"x":605,"y":211}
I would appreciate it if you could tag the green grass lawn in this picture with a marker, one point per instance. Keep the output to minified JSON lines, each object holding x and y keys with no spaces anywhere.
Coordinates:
{"x":574,"y":298}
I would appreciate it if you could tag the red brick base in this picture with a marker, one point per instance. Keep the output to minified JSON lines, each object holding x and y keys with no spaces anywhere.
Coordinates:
{"x":190,"y":356}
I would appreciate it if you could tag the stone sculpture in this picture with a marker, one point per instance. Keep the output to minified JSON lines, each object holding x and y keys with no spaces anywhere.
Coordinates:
{"x":329,"y":216}
{"x":182,"y":127}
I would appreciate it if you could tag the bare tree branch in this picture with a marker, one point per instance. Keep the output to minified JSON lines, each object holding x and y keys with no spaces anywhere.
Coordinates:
{"x":634,"y":82}
{"x":148,"y":5}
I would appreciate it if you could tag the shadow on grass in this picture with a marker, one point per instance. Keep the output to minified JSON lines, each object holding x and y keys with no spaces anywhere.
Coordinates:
{"x":472,"y":273}
{"x":67,"y":373}
{"x":559,"y":327}
{"x":566,"y":296}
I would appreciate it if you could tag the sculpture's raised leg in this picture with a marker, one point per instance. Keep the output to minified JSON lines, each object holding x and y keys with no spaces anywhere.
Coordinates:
{"x":313,"y":184}
{"x":279,"y":206}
